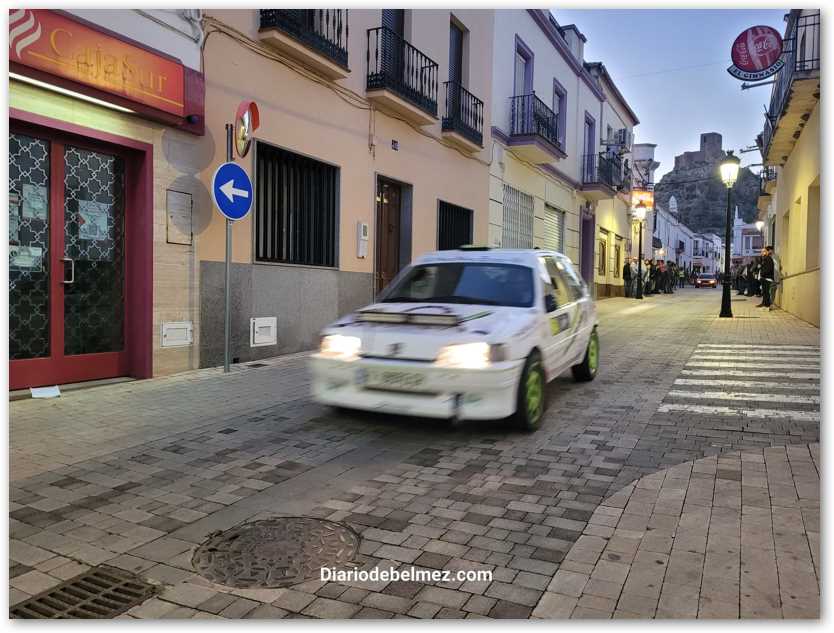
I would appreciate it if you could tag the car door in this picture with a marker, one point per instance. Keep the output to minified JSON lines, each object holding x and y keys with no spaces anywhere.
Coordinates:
{"x":582,"y":313}
{"x":558,"y":308}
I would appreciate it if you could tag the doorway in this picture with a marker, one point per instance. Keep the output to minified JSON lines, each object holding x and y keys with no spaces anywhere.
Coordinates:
{"x":69,"y":296}
{"x":586,"y":256}
{"x":388,"y":231}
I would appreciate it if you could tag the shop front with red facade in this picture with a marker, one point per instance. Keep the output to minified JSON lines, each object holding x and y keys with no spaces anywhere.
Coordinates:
{"x":81,"y":198}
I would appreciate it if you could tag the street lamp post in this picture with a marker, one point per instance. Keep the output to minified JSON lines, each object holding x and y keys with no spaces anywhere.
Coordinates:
{"x":640,"y":214}
{"x":729,"y":173}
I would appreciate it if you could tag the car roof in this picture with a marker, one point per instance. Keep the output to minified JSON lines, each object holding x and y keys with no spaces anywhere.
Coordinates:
{"x":523,"y":256}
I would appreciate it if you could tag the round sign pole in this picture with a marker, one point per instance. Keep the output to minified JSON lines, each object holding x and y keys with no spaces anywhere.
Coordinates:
{"x":227,"y":318}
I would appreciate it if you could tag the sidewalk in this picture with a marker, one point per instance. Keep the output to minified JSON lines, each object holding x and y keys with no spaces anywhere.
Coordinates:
{"x":722,"y":537}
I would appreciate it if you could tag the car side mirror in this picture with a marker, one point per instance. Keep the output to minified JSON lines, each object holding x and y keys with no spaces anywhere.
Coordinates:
{"x":549,"y":303}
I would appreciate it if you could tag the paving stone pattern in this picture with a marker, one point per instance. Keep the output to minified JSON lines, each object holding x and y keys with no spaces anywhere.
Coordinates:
{"x":727,"y":536}
{"x":138,"y":474}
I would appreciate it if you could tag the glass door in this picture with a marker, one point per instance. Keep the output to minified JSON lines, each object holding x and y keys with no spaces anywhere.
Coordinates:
{"x":67,"y":318}
{"x":29,"y":247}
{"x":93,"y":256}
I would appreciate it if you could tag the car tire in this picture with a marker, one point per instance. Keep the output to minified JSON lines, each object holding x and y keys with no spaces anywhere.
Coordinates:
{"x":531,"y":401}
{"x":587,"y":369}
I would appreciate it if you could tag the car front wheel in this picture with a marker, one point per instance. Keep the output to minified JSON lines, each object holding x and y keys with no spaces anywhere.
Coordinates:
{"x":532,"y":394}
{"x":587,"y":369}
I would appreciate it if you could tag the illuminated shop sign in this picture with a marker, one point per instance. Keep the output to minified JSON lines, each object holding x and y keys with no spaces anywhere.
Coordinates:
{"x":756,"y":54}
{"x":55,"y":44}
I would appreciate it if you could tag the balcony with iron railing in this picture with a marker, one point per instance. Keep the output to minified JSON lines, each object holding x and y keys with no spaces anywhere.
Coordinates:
{"x":602,"y":175}
{"x":463,"y":123}
{"x":401,"y":77}
{"x":317,"y":38}
{"x":767,"y":183}
{"x":796,"y":89}
{"x":534,"y":130}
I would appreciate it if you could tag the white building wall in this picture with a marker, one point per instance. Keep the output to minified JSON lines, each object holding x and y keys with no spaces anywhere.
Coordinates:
{"x":176,"y":32}
{"x":559,"y":190}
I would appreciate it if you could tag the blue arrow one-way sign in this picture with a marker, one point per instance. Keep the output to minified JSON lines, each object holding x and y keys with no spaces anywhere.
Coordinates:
{"x":231,"y":190}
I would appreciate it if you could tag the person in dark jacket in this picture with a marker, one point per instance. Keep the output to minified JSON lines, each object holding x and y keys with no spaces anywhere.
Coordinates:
{"x":751,"y":279}
{"x":742,"y":279}
{"x":767,"y":271}
{"x":627,"y":278}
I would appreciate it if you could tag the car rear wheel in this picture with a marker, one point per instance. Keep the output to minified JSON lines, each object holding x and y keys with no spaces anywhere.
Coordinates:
{"x":587,"y":369}
{"x":532,"y":394}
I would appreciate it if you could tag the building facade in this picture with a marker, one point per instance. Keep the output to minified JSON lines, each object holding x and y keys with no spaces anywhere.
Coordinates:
{"x":382,"y":134}
{"x":790,"y":147}
{"x":102,"y":164}
{"x":707,"y":253}
{"x":643,"y":168}
{"x":371,"y":150}
{"x":748,"y":241}
{"x":674,"y":240}
{"x":556,"y":170}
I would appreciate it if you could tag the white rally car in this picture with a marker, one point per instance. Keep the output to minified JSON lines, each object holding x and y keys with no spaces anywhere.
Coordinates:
{"x":464,"y":334}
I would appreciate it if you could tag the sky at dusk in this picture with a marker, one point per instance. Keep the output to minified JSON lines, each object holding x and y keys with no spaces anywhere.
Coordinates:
{"x":699,"y":95}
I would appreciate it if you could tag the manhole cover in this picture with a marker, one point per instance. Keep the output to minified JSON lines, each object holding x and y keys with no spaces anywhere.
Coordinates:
{"x":274,"y":552}
{"x":102,"y":592}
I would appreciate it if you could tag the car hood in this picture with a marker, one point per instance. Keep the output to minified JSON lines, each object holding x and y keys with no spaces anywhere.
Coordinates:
{"x":493,"y":324}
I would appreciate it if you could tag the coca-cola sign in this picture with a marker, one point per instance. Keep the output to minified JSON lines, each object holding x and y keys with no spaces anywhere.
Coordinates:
{"x":756,"y":54}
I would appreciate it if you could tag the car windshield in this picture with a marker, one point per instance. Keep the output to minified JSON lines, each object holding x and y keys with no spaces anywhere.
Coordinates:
{"x":465,"y":282}
{"x":710,"y":276}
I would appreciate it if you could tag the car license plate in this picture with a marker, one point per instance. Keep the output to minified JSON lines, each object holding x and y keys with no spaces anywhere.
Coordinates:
{"x":390,"y":379}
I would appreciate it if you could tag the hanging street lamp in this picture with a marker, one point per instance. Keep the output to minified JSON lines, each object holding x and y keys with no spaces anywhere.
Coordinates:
{"x":729,"y":172}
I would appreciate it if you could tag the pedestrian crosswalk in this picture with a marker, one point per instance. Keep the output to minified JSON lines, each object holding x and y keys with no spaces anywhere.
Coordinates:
{"x":749,"y":381}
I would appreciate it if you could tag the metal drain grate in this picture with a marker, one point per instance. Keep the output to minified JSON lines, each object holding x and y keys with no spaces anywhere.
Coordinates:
{"x":256,"y":365}
{"x":102,"y":592}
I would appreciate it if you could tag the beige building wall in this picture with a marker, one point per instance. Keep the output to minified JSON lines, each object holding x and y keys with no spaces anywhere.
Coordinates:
{"x":307,"y":117}
{"x":175,"y":293}
{"x":797,"y":207}
{"x":304,"y":113}
{"x":613,"y":228}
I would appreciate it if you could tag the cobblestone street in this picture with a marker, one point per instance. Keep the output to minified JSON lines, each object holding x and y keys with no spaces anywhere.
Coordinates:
{"x":698,"y":439}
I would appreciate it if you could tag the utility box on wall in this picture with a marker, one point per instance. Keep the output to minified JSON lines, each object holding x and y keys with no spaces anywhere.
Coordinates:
{"x":177,"y":333}
{"x":362,"y":235}
{"x":263,"y":331}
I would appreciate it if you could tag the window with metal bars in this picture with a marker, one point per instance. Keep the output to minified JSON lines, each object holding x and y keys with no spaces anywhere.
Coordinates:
{"x":296,"y":208}
{"x":454,"y":226}
{"x":517,"y":229}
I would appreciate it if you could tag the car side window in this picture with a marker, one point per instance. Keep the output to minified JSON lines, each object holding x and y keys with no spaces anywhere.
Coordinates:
{"x":572,"y":279}
{"x":551,"y":301}
{"x":564,"y":296}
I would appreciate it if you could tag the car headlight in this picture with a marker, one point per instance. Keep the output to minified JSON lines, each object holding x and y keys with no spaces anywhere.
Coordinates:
{"x":340,"y":347}
{"x":470,"y":355}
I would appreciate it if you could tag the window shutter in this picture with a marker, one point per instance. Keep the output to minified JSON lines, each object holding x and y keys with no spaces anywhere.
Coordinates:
{"x":554,"y":229}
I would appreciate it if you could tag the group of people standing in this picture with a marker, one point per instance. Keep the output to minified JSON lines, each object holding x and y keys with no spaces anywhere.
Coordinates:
{"x":759,"y":278}
{"x":658,"y":276}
